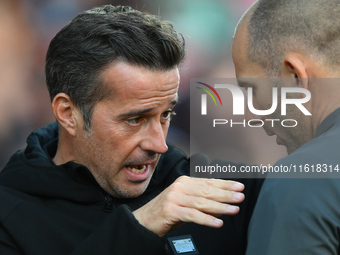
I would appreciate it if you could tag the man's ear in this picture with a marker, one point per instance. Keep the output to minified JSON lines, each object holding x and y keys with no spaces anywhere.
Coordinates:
{"x":66,"y":113}
{"x":295,"y":66}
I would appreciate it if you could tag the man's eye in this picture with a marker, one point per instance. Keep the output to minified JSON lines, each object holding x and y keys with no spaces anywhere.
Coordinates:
{"x":167,"y":115}
{"x":134,"y":121}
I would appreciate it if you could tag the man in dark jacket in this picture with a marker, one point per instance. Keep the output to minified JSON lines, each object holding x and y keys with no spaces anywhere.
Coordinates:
{"x":296,"y":45}
{"x":88,"y":184}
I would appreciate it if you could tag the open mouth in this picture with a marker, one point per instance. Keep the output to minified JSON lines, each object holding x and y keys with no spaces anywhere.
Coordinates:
{"x":137,"y":169}
{"x":138,"y":173}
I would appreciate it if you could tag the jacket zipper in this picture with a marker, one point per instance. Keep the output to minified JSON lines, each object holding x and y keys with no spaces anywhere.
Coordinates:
{"x":108,"y":204}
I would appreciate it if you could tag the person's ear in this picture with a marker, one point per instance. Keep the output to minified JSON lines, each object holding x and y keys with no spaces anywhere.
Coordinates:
{"x":66,"y":113}
{"x":295,"y":67}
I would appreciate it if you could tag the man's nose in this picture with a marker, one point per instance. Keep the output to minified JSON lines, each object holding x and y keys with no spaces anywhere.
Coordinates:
{"x":155,"y":138}
{"x":255,"y":119}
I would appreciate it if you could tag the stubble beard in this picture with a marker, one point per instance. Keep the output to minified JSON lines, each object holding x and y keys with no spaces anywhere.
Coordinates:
{"x":106,"y":175}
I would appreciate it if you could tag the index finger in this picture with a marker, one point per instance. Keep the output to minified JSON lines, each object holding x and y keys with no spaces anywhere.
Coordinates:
{"x":217,"y":183}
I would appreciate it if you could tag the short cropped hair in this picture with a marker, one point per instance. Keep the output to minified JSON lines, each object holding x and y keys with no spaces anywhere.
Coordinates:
{"x":311,"y":27}
{"x":95,"y":38}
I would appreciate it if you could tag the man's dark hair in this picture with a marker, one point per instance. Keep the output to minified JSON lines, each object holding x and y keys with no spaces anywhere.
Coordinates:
{"x":311,"y":27}
{"x":92,"y":40}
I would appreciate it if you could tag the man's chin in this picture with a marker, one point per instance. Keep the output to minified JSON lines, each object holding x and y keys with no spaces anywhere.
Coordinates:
{"x":131,"y":190}
{"x":291,"y":149}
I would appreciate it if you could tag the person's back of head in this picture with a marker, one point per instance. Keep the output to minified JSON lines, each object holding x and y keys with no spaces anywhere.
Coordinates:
{"x":311,"y":27}
{"x":92,"y":40}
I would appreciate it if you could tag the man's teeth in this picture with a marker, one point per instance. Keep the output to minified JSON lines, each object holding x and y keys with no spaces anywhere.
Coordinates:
{"x":138,"y":170}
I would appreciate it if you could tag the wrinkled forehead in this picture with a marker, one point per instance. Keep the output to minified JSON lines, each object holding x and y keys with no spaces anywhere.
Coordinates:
{"x":137,"y":82}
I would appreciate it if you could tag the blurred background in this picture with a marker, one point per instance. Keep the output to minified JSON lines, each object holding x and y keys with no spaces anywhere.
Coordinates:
{"x":27,"y":27}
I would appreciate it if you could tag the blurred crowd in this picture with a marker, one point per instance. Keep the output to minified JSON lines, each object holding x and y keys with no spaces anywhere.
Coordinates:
{"x":27,"y":26}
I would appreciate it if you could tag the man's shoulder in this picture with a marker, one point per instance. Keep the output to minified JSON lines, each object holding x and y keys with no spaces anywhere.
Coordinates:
{"x":323,"y":149}
{"x":314,"y":172}
{"x":11,"y":199}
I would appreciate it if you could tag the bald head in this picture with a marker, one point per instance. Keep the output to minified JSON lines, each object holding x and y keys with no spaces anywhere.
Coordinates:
{"x":310,"y":27}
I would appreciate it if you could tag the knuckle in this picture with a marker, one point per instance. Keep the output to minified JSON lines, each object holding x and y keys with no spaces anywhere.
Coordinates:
{"x":192,"y":215}
{"x":183,"y":178}
{"x":210,"y":182}
{"x":206,"y":191}
{"x":200,"y":203}
{"x":175,"y":186}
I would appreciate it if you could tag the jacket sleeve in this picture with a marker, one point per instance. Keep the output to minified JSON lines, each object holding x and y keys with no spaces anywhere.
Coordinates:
{"x":7,"y":244}
{"x":121,"y":233}
{"x":28,"y":228}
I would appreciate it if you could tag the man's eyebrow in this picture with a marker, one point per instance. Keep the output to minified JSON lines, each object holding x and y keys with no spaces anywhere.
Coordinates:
{"x":174,"y":102}
{"x":243,"y":84}
{"x":139,"y":112}
{"x":135,"y":112}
